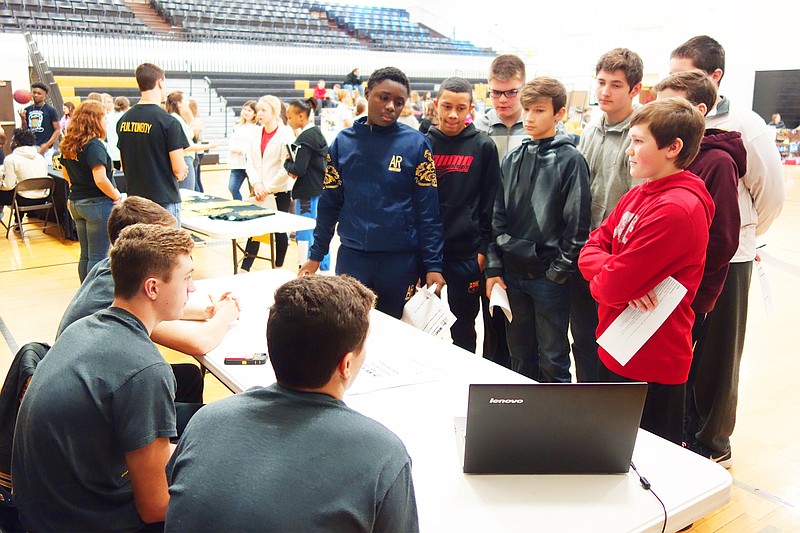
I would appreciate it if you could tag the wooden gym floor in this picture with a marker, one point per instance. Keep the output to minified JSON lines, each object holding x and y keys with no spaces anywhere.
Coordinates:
{"x":39,"y":276}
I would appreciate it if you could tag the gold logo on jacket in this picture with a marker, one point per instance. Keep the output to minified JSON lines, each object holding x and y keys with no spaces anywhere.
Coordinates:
{"x":425,"y":175}
{"x":332,"y":179}
{"x":395,"y":163}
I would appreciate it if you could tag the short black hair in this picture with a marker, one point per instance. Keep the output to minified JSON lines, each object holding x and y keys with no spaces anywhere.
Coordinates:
{"x":704,"y":52}
{"x":456,"y":85}
{"x":23,"y":137}
{"x":388,"y":73}
{"x":305,"y":105}
{"x":40,"y":85}
{"x":314,"y":322}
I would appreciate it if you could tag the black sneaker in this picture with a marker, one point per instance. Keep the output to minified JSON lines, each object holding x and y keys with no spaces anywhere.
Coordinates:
{"x":725,"y":460}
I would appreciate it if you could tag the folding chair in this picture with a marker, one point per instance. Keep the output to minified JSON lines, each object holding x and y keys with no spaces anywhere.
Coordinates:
{"x":24,"y":190}
{"x":16,"y":384}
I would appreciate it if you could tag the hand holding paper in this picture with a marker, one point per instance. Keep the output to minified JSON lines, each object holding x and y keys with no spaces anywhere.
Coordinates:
{"x":499,"y":298}
{"x":632,"y":328}
{"x":427,"y":312}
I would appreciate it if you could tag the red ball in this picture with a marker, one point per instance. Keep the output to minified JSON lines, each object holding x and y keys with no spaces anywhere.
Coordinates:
{"x":22,"y":96}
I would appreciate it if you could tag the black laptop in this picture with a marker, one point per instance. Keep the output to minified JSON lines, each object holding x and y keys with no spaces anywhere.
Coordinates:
{"x":563,"y":428}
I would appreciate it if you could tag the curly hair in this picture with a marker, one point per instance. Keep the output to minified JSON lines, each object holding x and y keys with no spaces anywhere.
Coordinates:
{"x":88,"y":122}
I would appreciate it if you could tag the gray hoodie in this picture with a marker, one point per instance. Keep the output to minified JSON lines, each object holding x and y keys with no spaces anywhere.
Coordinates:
{"x":603,"y":145}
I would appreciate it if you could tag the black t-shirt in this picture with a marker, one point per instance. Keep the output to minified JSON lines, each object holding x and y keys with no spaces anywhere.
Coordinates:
{"x":82,"y":184}
{"x":40,"y":121}
{"x":147,"y":134}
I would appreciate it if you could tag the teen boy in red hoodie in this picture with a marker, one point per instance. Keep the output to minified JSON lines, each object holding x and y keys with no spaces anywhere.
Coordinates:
{"x":658,"y":229}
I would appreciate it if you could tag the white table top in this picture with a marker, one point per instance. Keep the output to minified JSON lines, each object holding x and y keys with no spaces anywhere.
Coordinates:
{"x":422,"y":416}
{"x":279,"y":222}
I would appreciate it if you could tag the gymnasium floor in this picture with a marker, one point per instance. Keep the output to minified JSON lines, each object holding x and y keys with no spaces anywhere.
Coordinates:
{"x":39,"y":276}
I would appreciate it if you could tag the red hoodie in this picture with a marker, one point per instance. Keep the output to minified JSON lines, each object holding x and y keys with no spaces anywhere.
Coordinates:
{"x":721,"y":163}
{"x":658,"y":229}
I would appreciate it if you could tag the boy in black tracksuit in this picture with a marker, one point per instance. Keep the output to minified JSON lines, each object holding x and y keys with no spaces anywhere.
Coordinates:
{"x":468,"y":172}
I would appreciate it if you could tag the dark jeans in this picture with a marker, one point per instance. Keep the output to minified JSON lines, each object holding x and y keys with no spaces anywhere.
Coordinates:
{"x":198,"y":184}
{"x":284,"y":202}
{"x":541,"y":311}
{"x":392,"y":275}
{"x":663,"y":406}
{"x":463,"y":296}
{"x":495,"y":344}
{"x":713,"y":388}
{"x":583,"y":325}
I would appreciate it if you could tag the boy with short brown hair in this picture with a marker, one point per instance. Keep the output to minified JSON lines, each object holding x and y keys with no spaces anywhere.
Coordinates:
{"x":618,"y":76}
{"x":658,"y":230}
{"x":540,"y":223}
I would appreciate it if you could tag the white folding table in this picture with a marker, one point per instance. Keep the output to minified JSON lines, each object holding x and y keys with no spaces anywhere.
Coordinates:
{"x":276,"y":222}
{"x":422,"y":415}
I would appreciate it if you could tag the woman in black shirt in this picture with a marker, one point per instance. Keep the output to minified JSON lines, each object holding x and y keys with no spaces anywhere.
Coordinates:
{"x":92,"y":193}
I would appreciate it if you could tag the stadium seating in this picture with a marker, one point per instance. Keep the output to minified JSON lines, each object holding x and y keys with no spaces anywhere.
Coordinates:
{"x":294,"y":22}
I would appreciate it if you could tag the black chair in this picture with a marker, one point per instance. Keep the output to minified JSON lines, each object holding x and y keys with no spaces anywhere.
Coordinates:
{"x":25,"y":200}
{"x":19,"y":375}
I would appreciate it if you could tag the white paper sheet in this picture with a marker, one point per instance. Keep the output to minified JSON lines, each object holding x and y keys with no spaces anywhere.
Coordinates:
{"x":427,"y":312}
{"x":499,"y":298}
{"x":766,"y":288}
{"x":631,"y":329}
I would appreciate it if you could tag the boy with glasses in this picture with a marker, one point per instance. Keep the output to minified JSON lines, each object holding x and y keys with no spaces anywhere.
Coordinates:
{"x":503,"y":123}
{"x":604,"y":143}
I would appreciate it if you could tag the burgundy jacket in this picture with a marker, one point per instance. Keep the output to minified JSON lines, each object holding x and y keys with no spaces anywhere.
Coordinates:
{"x":721,"y":163}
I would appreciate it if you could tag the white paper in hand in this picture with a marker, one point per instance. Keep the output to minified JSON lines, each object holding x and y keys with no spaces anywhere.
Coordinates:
{"x":500,"y":299}
{"x":632,"y":328}
{"x":427,"y":312}
{"x":766,"y":288}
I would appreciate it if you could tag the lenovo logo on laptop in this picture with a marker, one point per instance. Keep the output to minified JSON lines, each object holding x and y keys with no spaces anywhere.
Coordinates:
{"x":506,"y":400}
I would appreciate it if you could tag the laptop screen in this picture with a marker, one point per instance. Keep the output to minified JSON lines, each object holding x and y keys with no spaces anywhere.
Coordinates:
{"x":552,"y":428}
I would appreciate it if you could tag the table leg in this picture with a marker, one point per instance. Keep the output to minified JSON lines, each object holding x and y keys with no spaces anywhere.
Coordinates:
{"x":272,"y":249}
{"x":235,"y":257}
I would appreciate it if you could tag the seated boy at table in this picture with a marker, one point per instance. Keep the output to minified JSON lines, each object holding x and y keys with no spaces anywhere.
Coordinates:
{"x":201,"y":329}
{"x":657,"y":230}
{"x":92,"y":437}
{"x":292,"y":456}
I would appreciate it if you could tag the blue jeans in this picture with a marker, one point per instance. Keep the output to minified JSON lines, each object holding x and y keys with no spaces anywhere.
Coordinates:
{"x":189,"y":181}
{"x":238,"y":175}
{"x":349,"y":87}
{"x":91,"y":216}
{"x":540,"y":308}
{"x":174,"y":210}
{"x":305,"y":238}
